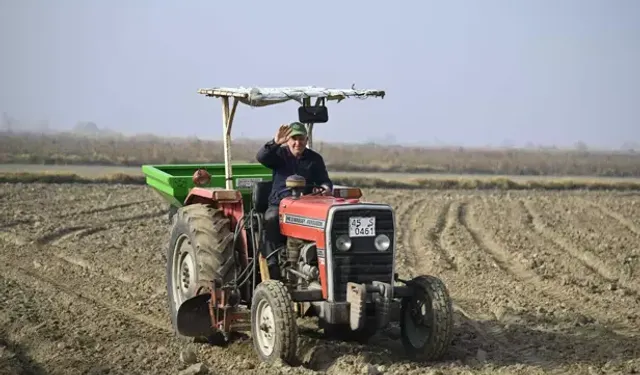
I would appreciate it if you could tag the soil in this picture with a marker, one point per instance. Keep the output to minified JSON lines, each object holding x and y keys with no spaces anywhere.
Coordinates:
{"x":543,"y":282}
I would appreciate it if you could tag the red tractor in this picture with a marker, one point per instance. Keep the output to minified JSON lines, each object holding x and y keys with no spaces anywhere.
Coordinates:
{"x":338,"y":263}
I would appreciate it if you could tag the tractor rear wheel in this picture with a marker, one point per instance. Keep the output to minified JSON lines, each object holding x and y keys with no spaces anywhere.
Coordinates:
{"x":200,"y":251}
{"x":273,"y":323}
{"x":171,"y":213}
{"x":426,"y":319}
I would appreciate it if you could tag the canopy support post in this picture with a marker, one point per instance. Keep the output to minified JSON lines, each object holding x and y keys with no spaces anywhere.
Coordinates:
{"x":227,"y":123}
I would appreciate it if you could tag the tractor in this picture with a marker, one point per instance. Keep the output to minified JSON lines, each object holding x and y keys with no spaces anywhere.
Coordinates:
{"x":338,"y":263}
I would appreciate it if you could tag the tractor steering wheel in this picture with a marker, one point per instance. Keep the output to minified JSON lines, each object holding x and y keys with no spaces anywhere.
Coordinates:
{"x":322,"y":189}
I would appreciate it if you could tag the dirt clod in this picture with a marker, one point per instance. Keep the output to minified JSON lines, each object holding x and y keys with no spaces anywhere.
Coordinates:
{"x":195,"y":369}
{"x":245,"y":365}
{"x":188,"y":357}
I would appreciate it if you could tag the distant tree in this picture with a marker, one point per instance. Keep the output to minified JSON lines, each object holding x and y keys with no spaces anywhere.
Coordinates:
{"x":581,"y":146}
{"x":86,"y":127}
{"x":630,"y":147}
{"x":7,"y":122}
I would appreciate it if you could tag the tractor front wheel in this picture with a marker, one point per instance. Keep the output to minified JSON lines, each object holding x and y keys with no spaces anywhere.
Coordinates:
{"x":200,"y":251}
{"x":273,"y":324}
{"x":426,"y":319}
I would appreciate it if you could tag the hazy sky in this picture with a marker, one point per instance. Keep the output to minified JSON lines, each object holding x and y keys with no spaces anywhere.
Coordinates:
{"x":457,"y":72}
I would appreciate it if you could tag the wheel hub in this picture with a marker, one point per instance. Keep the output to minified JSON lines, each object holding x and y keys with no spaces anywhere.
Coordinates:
{"x":419,"y":322}
{"x":184,"y":271}
{"x":419,"y":313}
{"x":187,"y":273}
{"x":266,"y":327}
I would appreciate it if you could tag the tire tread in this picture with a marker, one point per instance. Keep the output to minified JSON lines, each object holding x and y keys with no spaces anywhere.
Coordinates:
{"x":441,"y":335}
{"x":282,"y":305}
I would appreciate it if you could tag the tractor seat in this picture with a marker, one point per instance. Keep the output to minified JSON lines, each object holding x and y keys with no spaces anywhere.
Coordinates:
{"x":260,"y":196}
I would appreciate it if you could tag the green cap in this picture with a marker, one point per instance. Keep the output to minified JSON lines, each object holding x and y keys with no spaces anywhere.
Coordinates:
{"x":297,"y":128}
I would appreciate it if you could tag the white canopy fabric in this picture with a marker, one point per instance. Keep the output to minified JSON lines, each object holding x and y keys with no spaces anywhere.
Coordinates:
{"x":263,"y":96}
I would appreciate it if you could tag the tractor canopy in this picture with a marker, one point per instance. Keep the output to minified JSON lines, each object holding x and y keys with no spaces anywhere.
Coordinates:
{"x":261,"y":97}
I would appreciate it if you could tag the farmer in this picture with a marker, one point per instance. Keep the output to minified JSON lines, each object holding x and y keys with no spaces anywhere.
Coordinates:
{"x":295,"y":158}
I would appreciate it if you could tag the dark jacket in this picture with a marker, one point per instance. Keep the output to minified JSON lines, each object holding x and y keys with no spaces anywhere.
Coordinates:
{"x":310,"y":165}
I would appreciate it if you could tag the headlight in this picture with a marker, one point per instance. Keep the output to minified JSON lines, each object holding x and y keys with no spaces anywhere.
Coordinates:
{"x":382,"y":242}
{"x":343,"y":243}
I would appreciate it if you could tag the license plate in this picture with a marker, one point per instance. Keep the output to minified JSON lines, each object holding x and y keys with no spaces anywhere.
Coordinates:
{"x":362,"y":226}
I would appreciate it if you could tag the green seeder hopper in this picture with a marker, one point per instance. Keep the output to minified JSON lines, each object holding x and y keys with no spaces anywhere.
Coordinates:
{"x":174,"y":181}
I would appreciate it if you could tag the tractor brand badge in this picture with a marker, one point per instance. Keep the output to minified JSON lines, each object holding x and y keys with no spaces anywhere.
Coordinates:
{"x":302,"y":220}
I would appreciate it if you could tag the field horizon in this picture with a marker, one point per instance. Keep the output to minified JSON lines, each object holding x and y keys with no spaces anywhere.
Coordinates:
{"x":91,"y":174}
{"x":83,"y":150}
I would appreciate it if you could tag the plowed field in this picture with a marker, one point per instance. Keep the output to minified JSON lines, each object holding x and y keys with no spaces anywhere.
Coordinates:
{"x":542,"y":282}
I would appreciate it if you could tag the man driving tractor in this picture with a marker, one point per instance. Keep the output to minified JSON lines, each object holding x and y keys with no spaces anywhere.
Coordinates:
{"x":296,"y":158}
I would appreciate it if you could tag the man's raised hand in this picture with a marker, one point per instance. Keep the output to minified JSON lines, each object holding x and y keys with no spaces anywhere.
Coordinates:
{"x":282,"y":135}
